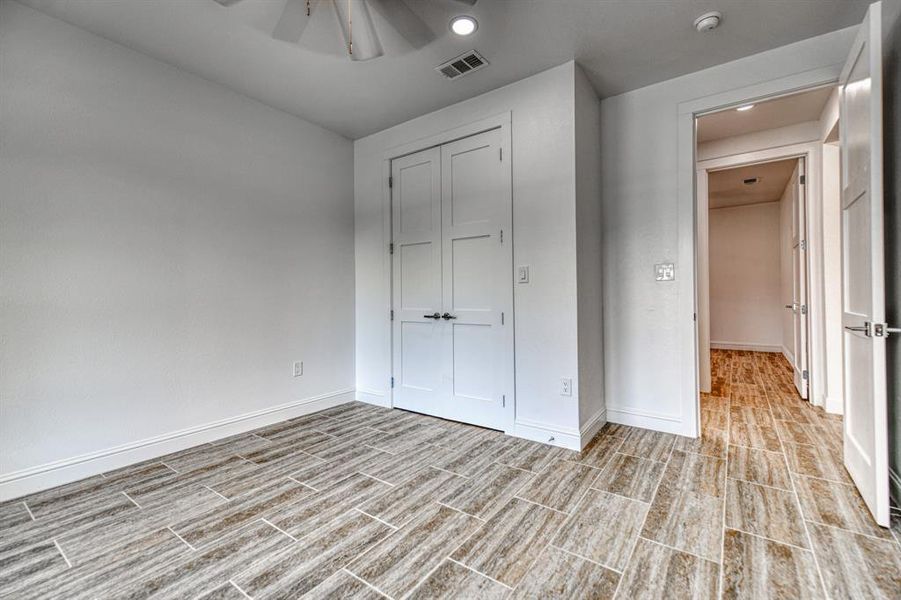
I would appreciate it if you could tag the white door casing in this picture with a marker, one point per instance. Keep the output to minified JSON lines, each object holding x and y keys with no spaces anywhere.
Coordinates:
{"x":863,"y":278}
{"x":799,"y":306}
{"x":468,"y":372}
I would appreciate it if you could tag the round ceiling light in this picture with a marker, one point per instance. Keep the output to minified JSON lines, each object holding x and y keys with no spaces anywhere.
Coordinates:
{"x":464,"y":25}
{"x":708,"y":21}
{"x":745,"y":107}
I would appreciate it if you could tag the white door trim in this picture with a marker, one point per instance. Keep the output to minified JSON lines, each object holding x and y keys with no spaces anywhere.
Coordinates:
{"x":687,"y":216}
{"x":812,"y":153}
{"x":502,"y":121}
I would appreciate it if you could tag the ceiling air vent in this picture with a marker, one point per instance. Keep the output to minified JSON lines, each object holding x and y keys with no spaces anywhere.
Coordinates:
{"x":461,"y":65}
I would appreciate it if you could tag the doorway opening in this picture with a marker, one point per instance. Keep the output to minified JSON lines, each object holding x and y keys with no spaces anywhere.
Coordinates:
{"x":767,"y":239}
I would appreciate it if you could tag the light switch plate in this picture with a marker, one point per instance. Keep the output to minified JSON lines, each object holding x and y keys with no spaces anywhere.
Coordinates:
{"x":522,"y":274}
{"x":665,"y":272}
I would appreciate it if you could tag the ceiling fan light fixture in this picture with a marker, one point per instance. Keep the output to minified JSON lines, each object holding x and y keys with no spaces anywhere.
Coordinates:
{"x":745,"y":107}
{"x":464,"y":25}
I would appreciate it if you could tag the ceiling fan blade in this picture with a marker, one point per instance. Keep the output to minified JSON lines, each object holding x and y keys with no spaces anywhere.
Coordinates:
{"x":293,"y":21}
{"x":405,"y":21}
{"x":366,"y":44}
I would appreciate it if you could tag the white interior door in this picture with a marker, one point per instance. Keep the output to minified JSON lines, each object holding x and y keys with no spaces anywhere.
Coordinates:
{"x":417,"y":327}
{"x":863,"y":279}
{"x":799,"y":278}
{"x":453,"y":295}
{"x":477,"y":277}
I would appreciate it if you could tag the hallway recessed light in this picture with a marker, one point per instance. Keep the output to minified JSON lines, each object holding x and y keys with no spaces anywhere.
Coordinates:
{"x":745,"y":107}
{"x":464,"y":25}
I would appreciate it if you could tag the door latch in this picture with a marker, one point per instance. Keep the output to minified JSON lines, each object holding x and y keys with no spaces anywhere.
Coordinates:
{"x":883,"y":330}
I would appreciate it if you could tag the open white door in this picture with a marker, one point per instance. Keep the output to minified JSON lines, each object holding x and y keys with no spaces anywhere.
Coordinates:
{"x":799,"y":277}
{"x":863,"y":278}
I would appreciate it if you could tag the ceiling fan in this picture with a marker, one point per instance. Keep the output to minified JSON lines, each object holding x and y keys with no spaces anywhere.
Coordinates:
{"x":360,"y":38}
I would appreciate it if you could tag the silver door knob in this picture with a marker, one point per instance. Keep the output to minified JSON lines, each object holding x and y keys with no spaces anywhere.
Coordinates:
{"x":447,"y":316}
{"x":432,"y":316}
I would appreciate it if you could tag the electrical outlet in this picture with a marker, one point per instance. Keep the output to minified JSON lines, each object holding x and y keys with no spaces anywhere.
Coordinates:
{"x":566,"y":387}
{"x":298,"y":368}
{"x":522,"y":274}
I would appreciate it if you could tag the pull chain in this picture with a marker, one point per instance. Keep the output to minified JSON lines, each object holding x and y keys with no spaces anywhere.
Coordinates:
{"x":350,"y":28}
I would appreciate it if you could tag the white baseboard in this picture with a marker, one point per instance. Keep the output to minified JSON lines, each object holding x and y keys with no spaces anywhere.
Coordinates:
{"x":645,"y":420}
{"x":42,"y":477}
{"x":833,"y":405}
{"x":373,"y":397}
{"x":591,"y":428}
{"x":894,"y":484}
{"x":538,"y":432}
{"x":745,"y":346}
{"x":789,"y":356}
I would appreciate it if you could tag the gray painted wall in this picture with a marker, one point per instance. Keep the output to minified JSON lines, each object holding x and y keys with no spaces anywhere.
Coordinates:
{"x":587,"y":122}
{"x":639,"y":179}
{"x":892,"y":148}
{"x":167,"y":248}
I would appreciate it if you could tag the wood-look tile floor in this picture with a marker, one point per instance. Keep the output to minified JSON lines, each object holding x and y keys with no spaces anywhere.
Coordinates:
{"x":363,"y":502}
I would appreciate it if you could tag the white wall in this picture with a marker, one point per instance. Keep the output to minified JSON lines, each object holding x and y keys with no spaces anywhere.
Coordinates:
{"x":592,"y":410}
{"x":544,"y":217}
{"x":786,"y":267}
{"x":831,"y":321}
{"x":778,"y":137}
{"x":745,"y":303}
{"x":167,"y":249}
{"x":643,"y":324}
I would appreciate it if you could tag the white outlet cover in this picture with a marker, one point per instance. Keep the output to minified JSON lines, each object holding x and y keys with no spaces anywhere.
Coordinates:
{"x":522,"y":274}
{"x":298,"y":368}
{"x":566,"y":386}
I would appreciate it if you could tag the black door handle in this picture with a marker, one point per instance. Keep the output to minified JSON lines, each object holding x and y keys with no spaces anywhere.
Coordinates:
{"x":447,"y":316}
{"x":432,"y":316}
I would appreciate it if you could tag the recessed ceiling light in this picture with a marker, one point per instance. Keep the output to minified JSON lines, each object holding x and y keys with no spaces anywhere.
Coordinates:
{"x":745,"y":107}
{"x":464,"y":25}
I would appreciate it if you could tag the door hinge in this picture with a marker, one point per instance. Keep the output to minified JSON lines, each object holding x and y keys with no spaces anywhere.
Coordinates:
{"x":391,"y":248}
{"x":392,"y":314}
{"x":502,"y":236}
{"x":502,"y":318}
{"x":803,"y":309}
{"x":803,"y":244}
{"x":803,"y":179}
{"x":390,"y":181}
{"x":501,"y":153}
{"x":392,"y":382}
{"x":805,"y":375}
{"x":503,"y":400}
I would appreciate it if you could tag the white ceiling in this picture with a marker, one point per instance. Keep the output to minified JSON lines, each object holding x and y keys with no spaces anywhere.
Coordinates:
{"x":727,"y":188}
{"x":622,"y":44}
{"x":781,"y":112}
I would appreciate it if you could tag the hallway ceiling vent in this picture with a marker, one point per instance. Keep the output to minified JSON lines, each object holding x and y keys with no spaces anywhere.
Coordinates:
{"x":751,"y":180}
{"x":461,"y":65}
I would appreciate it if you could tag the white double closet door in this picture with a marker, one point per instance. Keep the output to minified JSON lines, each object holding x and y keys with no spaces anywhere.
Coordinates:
{"x":452,"y":294}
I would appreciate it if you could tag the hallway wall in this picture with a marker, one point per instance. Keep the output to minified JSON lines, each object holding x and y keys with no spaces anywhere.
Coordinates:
{"x":745,"y":286}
